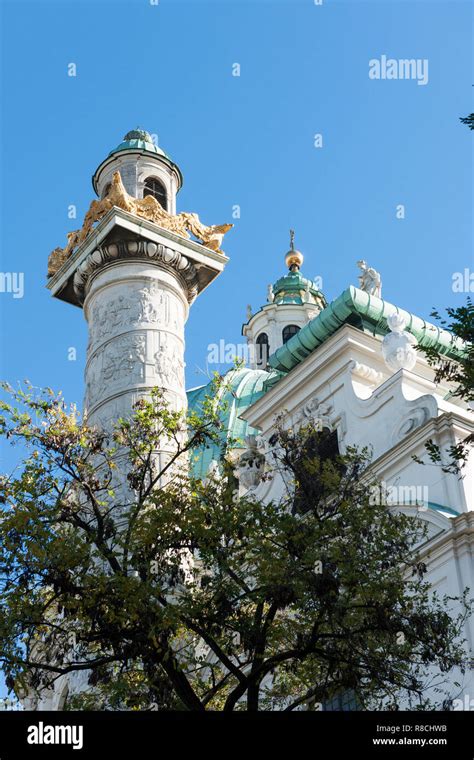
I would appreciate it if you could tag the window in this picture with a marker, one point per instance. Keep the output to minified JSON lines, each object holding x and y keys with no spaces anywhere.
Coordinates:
{"x":106,"y":189}
{"x":319,"y":445}
{"x":289,"y":331}
{"x":155,"y":188}
{"x":263,"y":350}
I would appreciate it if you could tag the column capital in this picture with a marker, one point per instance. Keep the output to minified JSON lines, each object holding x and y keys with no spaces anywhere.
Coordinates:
{"x":122,"y":236}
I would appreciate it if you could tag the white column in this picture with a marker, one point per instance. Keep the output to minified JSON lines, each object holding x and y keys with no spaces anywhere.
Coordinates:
{"x":136,"y":312}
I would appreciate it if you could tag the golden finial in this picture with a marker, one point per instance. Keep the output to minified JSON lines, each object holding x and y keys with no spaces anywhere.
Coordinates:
{"x":293,"y":258}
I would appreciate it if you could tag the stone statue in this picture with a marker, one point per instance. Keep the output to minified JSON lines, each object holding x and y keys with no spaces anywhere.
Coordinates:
{"x":147,"y":208}
{"x":249,"y":312}
{"x":398,"y":346}
{"x":251,"y":464}
{"x":213,"y":472}
{"x":270,"y":296}
{"x":369,"y":280}
{"x":148,"y":310}
{"x":211,"y":237}
{"x":56,"y":260}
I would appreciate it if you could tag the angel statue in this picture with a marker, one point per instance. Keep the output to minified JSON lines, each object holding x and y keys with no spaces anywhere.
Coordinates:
{"x":369,"y":279}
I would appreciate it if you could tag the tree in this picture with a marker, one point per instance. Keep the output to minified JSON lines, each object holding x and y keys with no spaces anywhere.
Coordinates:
{"x":468,"y":120}
{"x":460,"y":323}
{"x":172,"y":592}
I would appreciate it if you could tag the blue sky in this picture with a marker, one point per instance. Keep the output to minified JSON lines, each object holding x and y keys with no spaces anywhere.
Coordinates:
{"x":245,"y":140}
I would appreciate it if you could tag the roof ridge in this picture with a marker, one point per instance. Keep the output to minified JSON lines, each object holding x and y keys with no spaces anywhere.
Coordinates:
{"x":354,"y":302}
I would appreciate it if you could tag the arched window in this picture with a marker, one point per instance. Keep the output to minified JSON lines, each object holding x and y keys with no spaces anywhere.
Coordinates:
{"x":289,"y":331}
{"x":155,"y":188}
{"x":106,"y":189}
{"x":263,"y":350}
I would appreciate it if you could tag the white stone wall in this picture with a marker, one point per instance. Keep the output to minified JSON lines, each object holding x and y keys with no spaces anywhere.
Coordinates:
{"x":272,"y":318}
{"x":134,"y":169}
{"x":450,"y":561}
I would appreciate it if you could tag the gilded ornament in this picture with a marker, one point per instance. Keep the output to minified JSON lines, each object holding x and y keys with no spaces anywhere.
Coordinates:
{"x":147,"y":208}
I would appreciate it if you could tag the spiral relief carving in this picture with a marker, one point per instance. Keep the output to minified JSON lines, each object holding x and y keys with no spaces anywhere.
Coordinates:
{"x":147,"y":306}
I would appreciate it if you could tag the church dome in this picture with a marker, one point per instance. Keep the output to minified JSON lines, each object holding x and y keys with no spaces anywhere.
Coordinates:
{"x":145,"y":169}
{"x":293,"y":287}
{"x":138,"y":139}
{"x":243,"y":387}
{"x":292,"y":301}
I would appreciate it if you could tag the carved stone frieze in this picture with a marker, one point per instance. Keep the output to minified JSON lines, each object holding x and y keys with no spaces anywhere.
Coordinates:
{"x":169,"y":365}
{"x":121,"y":362}
{"x":313,"y":411}
{"x":136,"y":306}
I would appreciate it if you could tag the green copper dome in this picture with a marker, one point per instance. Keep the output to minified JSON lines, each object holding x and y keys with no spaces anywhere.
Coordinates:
{"x":138,"y":139}
{"x":144,"y":149}
{"x":293,"y":288}
{"x":244,"y":387}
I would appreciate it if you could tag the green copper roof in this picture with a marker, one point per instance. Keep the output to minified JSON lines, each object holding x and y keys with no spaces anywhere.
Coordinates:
{"x":368,"y":313}
{"x":440,"y":508}
{"x":138,"y":139}
{"x":292,"y":287}
{"x":245,"y":387}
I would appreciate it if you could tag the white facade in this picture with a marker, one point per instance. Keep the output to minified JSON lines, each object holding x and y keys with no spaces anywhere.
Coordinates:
{"x":346,"y":384}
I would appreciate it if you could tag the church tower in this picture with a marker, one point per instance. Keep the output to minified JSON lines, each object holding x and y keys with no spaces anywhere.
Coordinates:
{"x":135,"y":272}
{"x":291,"y":303}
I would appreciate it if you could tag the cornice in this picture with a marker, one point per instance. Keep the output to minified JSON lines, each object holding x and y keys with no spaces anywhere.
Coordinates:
{"x":195,"y":264}
{"x":459,"y":538}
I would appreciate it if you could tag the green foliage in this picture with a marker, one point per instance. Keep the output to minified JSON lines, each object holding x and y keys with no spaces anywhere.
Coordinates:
{"x":460,"y":322}
{"x":175,"y":593}
{"x":468,"y":120}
